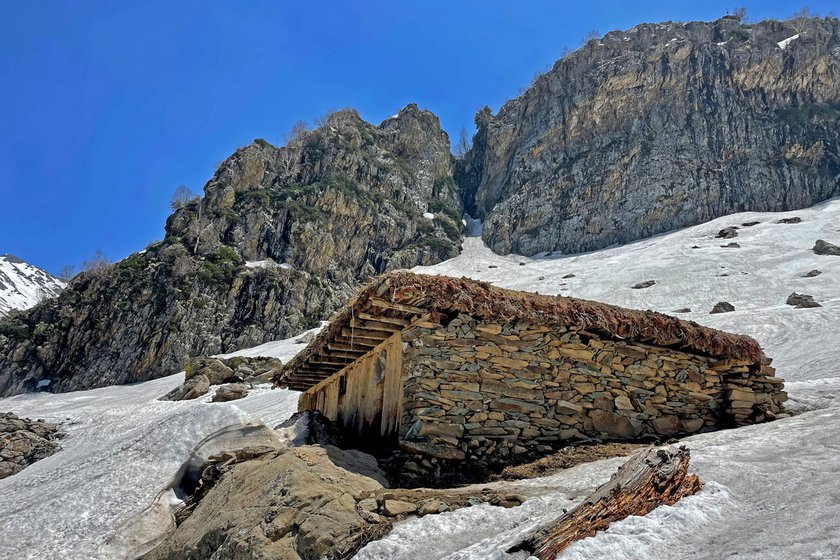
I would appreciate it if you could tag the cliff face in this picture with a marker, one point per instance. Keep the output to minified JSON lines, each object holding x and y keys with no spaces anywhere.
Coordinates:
{"x":657,"y":128}
{"x":281,"y":238}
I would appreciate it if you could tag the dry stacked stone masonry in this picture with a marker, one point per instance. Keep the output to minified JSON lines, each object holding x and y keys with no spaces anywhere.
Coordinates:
{"x":486,"y":393}
{"x":450,"y":378}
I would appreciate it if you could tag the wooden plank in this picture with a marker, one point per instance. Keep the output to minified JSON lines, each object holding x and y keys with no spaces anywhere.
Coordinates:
{"x":379,"y":302}
{"x":382,"y":319}
{"x":345,"y":347}
{"x":358,"y":324}
{"x":392,"y":388}
{"x":362,"y":335}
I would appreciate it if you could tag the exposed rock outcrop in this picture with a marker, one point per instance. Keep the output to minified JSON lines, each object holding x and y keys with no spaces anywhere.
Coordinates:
{"x":24,"y":441}
{"x":801,"y":301}
{"x":822,"y":247}
{"x":279,"y":240}
{"x":656,"y":128}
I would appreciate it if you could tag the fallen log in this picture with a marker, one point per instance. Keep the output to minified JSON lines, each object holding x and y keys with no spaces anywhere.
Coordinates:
{"x":650,"y":478}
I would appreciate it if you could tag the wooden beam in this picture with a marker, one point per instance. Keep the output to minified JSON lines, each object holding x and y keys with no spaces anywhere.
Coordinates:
{"x":345,"y":347}
{"x":360,"y":334}
{"x":379,"y":302}
{"x":373,"y":326}
{"x":359,"y":342}
{"x":381,"y":319}
{"x":650,"y":478}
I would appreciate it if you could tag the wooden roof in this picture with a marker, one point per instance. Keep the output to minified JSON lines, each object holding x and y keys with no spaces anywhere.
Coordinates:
{"x":393,"y":302}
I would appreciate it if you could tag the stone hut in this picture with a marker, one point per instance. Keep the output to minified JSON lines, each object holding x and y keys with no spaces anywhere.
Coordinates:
{"x":445,"y":370}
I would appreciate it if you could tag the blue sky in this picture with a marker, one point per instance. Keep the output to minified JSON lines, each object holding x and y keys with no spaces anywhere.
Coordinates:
{"x":106,"y":107}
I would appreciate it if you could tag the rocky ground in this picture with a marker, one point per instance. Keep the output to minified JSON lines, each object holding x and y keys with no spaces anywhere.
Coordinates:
{"x":24,"y":441}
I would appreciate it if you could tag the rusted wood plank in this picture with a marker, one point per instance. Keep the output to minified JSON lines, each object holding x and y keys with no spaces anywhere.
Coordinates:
{"x":650,"y":478}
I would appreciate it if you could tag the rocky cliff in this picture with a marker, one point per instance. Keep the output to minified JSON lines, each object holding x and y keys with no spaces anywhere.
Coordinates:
{"x":657,"y":128}
{"x":280,"y":238}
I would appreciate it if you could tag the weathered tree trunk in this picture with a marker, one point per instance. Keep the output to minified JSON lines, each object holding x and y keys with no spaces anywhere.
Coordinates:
{"x":650,"y":478}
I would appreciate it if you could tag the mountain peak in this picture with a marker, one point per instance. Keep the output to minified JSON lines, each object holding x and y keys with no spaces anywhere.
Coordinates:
{"x":23,"y":285}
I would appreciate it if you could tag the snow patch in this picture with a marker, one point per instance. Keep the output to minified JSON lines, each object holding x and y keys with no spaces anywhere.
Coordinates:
{"x":428,"y":215}
{"x":783,"y":44}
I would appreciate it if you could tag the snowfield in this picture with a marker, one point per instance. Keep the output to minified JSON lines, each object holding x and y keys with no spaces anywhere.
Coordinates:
{"x":23,"y":285}
{"x":771,"y":491}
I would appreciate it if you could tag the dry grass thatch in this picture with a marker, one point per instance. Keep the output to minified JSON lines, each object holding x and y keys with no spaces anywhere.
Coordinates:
{"x":492,"y":304}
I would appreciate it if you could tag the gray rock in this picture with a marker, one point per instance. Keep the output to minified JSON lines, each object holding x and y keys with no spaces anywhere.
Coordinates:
{"x":192,"y":388}
{"x":732,"y":245}
{"x":722,"y":307}
{"x":794,"y":220}
{"x":24,"y":441}
{"x":728,"y":233}
{"x":230,"y":392}
{"x":645,"y":284}
{"x":750,"y":224}
{"x":824,"y":248}
{"x":597,"y":151}
{"x":813,"y":273}
{"x":801,"y":301}
{"x":683,"y":310}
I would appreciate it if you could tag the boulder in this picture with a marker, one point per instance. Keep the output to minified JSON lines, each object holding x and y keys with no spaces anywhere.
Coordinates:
{"x":290,"y":503}
{"x":750,"y":224}
{"x":394,"y":508}
{"x":192,"y":388}
{"x":682,"y":310}
{"x":728,"y":233}
{"x":722,"y":307}
{"x":216,"y":371}
{"x":822,"y":247}
{"x":801,"y":301}
{"x":794,"y":220}
{"x":230,"y":392}
{"x":645,"y":284}
{"x":813,"y":273}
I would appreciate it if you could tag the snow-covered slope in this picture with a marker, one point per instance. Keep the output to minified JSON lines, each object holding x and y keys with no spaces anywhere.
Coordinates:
{"x":23,"y":285}
{"x":771,"y":490}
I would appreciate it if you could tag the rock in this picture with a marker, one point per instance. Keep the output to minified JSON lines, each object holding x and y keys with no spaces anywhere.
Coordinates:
{"x":192,"y":388}
{"x":801,"y":301}
{"x":570,"y":275}
{"x":794,"y":220}
{"x":213,"y":369}
{"x":623,"y":403}
{"x":542,"y":176}
{"x":292,"y":503}
{"x":24,"y":441}
{"x":824,"y":248}
{"x":395,"y":508}
{"x":430,"y":507}
{"x":682,"y":310}
{"x":194,"y":295}
{"x":728,"y":232}
{"x":750,"y":224}
{"x":722,"y":307}
{"x":813,"y":273}
{"x":230,"y":392}
{"x":666,"y":425}
{"x":731,"y":246}
{"x":612,"y":424}
{"x":645,"y":284}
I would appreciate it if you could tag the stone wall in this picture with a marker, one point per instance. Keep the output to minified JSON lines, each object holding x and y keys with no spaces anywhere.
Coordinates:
{"x":492,"y":394}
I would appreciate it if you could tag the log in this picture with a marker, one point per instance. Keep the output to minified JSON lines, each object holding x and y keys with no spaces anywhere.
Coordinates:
{"x":650,"y":478}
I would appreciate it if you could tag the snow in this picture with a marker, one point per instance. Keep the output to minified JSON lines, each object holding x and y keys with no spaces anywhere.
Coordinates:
{"x":770,"y":490}
{"x":23,"y":285}
{"x":783,"y":44}
{"x":428,"y":215}
{"x":267,"y":263}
